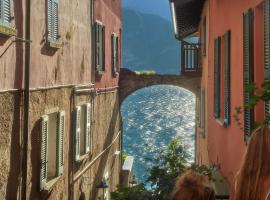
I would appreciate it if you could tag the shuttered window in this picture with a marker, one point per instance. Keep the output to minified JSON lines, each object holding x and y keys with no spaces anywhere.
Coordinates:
{"x":217,"y":56}
{"x":52,"y":147}
{"x":83,"y":136}
{"x":77,"y":132}
{"x":5,"y":12}
{"x":248,"y":64}
{"x":53,"y":20}
{"x":267,"y":49}
{"x":115,"y":54}
{"x":99,"y":46}
{"x":227,"y":78}
{"x":204,"y":35}
{"x":44,"y":152}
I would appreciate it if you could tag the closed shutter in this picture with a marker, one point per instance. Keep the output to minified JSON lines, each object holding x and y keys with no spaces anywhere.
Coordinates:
{"x":99,"y":46}
{"x":217,"y":77}
{"x":204,"y":36}
{"x":77,"y":132}
{"x":49,"y":20}
{"x":114,"y":53}
{"x":60,"y":142}
{"x":44,"y":151}
{"x":248,"y":64}
{"x":102,"y":51}
{"x":88,"y":128}
{"x":227,"y":84}
{"x":6,"y":11}
{"x":267,"y":49}
{"x":55,"y":14}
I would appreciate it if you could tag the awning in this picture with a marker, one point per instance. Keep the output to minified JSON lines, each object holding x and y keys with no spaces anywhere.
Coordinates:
{"x":186,"y":16}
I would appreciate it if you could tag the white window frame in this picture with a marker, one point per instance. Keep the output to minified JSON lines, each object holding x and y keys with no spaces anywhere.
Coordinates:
{"x":82,"y":131}
{"x":59,"y":124}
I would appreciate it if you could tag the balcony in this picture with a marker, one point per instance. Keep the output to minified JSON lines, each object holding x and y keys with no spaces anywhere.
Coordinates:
{"x":190,"y":59}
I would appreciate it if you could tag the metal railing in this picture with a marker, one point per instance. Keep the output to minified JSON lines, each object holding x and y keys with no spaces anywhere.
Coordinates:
{"x":190,"y":57}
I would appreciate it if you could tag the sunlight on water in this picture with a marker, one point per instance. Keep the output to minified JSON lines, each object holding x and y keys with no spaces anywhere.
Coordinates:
{"x":152,"y":117}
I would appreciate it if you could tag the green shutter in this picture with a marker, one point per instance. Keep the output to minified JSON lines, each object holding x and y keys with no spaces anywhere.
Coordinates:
{"x":6,"y":11}
{"x":44,"y":151}
{"x":55,"y":14}
{"x":100,"y":39}
{"x":77,"y":121}
{"x":204,"y":35}
{"x":217,"y":51}
{"x":49,"y":20}
{"x":60,"y":142}
{"x":227,"y":79}
{"x":88,"y":128}
{"x":267,"y":49}
{"x":248,"y":64}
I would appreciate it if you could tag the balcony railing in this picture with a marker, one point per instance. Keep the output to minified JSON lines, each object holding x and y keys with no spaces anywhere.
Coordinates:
{"x":190,"y":58}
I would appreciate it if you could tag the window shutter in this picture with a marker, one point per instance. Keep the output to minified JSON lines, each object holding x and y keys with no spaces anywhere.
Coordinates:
{"x":49,"y":20}
{"x":99,"y":46}
{"x":60,"y":142}
{"x":267,"y":49}
{"x":114,"y":53}
{"x":227,"y":90}
{"x":55,"y":14}
{"x":204,"y":36}
{"x":6,"y":11}
{"x":44,"y":151}
{"x":88,"y":128}
{"x":248,"y":52}
{"x":217,"y":77}
{"x":77,"y":132}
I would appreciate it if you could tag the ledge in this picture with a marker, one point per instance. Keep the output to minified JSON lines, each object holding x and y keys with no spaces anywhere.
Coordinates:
{"x":50,"y":185}
{"x":7,"y":31}
{"x":55,"y":44}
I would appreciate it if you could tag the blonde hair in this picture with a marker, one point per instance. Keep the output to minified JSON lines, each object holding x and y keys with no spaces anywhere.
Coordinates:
{"x":193,"y":185}
{"x":255,"y":168}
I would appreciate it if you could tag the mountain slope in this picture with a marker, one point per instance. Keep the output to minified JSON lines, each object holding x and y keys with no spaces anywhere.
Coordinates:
{"x":149,"y":43}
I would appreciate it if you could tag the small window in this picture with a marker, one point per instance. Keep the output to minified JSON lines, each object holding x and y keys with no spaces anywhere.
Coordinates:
{"x":115,"y":54}
{"x":52,"y":141}
{"x":52,"y":20}
{"x":5,"y":12}
{"x":82,"y":134}
{"x":99,"y":46}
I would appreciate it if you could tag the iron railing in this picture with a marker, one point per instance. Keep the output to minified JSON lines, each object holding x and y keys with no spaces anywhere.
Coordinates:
{"x":190,"y":57}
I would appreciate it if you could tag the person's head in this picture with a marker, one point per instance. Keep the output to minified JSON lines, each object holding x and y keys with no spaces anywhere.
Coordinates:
{"x":255,"y":168}
{"x":193,"y":186}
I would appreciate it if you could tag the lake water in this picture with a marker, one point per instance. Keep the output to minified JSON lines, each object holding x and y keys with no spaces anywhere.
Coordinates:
{"x":152,"y":117}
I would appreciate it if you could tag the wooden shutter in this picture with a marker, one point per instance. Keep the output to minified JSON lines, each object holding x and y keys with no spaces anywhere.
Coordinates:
{"x":114,"y":53}
{"x":6,"y":11}
{"x":204,"y":36}
{"x":55,"y":14}
{"x":49,"y":20}
{"x":99,"y":46}
{"x":267,"y":49}
{"x":60,"y":142}
{"x":248,"y":63}
{"x":44,"y":151}
{"x":103,"y":48}
{"x":77,"y":132}
{"x":227,"y":84}
{"x":88,"y":128}
{"x":217,"y":77}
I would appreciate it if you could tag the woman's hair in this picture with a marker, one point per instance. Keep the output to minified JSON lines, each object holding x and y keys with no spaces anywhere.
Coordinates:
{"x":255,"y":168}
{"x":193,"y":186}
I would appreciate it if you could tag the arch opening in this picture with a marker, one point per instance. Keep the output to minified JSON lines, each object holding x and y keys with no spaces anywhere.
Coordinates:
{"x":152,"y":117}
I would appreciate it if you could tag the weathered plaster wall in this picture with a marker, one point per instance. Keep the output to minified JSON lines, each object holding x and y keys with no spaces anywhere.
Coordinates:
{"x":109,"y":12}
{"x":70,"y":64}
{"x":11,"y":62}
{"x":10,"y":112}
{"x":226,"y":145}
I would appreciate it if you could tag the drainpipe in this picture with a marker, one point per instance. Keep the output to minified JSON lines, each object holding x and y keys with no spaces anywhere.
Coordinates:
{"x":26,"y":95}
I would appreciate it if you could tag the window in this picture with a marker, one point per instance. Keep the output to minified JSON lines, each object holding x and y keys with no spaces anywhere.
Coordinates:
{"x":99,"y":46}
{"x":52,"y":20}
{"x":267,"y":49}
{"x":115,"y":54}
{"x":5,"y":12}
{"x":204,"y":35}
{"x":52,"y":145}
{"x":222,"y":79}
{"x":82,"y":131}
{"x":248,"y":65}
